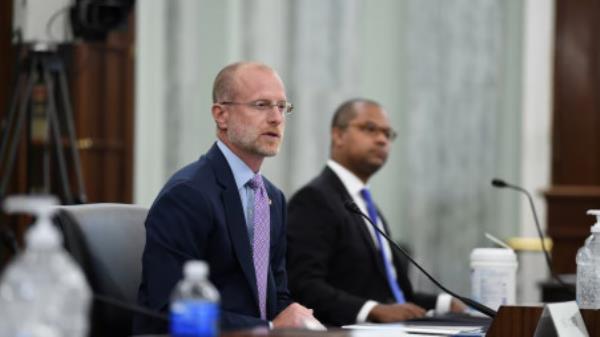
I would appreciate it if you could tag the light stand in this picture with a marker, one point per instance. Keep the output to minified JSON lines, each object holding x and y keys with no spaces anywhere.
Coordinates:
{"x":42,"y":66}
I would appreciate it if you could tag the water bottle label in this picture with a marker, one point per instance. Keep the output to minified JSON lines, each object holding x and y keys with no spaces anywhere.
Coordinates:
{"x":194,"y":319}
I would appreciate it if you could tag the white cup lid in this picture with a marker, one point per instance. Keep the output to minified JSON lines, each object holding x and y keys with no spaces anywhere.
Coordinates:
{"x":493,"y":254}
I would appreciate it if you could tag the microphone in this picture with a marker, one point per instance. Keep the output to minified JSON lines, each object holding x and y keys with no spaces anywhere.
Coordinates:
{"x":352,"y":207}
{"x":499,"y":183}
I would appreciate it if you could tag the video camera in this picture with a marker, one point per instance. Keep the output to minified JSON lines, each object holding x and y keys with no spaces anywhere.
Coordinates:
{"x":52,"y":22}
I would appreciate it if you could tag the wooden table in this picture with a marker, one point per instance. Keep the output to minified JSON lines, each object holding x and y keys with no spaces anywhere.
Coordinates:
{"x":511,"y":321}
{"x":521,"y":321}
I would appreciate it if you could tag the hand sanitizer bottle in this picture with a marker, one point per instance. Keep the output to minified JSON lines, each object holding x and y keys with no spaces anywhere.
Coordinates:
{"x":588,"y":268}
{"x":43,"y":292}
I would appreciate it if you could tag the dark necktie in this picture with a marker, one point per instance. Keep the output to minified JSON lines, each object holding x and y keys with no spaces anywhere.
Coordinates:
{"x":387,"y":261}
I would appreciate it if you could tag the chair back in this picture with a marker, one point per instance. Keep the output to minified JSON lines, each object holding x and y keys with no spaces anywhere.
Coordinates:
{"x":107,"y":240}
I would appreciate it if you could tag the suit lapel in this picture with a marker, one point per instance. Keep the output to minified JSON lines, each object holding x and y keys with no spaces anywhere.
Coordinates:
{"x":234,"y":217}
{"x":368,"y":238}
{"x":357,"y":220}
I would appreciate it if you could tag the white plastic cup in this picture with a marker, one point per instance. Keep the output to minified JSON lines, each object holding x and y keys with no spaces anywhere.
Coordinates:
{"x":493,"y":276}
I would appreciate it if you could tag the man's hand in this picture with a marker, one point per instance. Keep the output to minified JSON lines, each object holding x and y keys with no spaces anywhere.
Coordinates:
{"x":297,"y":316}
{"x":457,"y":306}
{"x":387,"y":313}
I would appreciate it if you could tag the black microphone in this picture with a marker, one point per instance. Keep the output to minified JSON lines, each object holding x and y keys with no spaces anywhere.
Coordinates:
{"x":499,"y":183}
{"x":352,"y":207}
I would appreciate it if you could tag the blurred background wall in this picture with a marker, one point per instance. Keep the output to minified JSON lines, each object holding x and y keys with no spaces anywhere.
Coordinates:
{"x":476,"y":90}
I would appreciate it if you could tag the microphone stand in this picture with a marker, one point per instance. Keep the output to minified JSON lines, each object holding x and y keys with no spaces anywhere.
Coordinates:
{"x":351,"y":206}
{"x":499,"y":183}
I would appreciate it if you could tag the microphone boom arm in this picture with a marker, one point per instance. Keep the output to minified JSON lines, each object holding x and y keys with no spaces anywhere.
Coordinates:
{"x":499,"y":183}
{"x":351,"y":206}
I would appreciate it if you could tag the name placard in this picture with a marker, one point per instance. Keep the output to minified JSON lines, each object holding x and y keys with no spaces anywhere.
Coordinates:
{"x":561,"y":320}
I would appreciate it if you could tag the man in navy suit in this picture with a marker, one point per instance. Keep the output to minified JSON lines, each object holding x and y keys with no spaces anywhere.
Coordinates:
{"x":221,"y":210}
{"x":338,"y":264}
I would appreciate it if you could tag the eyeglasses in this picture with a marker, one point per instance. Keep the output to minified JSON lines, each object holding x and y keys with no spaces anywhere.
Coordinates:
{"x":373,"y":130}
{"x":284,"y":107}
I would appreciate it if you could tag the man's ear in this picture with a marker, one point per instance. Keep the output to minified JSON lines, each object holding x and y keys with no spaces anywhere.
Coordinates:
{"x":220,"y":115}
{"x":337,"y":135}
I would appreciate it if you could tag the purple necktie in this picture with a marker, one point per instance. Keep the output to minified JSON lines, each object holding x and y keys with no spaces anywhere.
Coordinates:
{"x":261,"y":241}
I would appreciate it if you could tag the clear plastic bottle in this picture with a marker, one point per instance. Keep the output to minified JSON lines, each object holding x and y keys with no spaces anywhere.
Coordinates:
{"x":43,"y":292}
{"x":588,"y":268}
{"x":195,"y":303}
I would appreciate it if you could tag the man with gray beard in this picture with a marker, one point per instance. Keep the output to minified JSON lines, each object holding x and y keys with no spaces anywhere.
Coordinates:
{"x":220,"y":209}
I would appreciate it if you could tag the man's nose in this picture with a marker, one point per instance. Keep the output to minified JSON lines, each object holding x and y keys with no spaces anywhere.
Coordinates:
{"x":275,"y":115}
{"x":382,"y":137}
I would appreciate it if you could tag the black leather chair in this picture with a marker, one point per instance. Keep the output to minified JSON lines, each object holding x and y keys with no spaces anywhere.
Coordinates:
{"x":107,"y":240}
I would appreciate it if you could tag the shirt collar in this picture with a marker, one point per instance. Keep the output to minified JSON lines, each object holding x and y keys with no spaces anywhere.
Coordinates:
{"x":241,"y":172}
{"x":352,"y":183}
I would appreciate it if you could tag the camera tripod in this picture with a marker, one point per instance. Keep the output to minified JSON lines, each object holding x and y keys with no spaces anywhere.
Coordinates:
{"x":42,"y":68}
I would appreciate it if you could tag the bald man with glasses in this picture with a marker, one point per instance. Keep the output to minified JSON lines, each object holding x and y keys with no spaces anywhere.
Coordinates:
{"x":337,"y":263}
{"x":221,"y":209}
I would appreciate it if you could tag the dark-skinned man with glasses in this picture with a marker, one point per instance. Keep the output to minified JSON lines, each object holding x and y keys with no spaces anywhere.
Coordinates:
{"x":220,"y":209}
{"x":337,"y":263}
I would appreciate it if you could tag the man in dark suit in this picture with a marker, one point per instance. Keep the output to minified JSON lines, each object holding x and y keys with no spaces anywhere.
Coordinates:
{"x":337,"y":263}
{"x":221,"y":210}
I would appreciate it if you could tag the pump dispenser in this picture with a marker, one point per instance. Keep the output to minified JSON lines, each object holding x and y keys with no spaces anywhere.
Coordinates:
{"x":596,"y":226}
{"x":588,"y":268}
{"x":42,"y":235}
{"x":43,"y":292}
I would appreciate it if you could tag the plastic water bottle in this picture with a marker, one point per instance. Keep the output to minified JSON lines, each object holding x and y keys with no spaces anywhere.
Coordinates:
{"x":195,"y":303}
{"x":588,"y":268}
{"x":42,"y":291}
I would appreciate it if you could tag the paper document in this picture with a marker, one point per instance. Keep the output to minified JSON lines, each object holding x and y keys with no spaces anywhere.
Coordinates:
{"x":378,"y":333}
{"x":443,"y":330}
